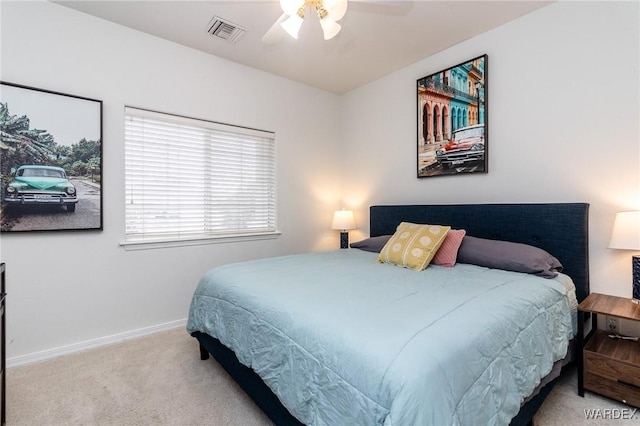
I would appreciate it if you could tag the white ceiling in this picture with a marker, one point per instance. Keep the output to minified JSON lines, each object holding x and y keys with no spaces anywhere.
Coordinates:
{"x":377,"y":37}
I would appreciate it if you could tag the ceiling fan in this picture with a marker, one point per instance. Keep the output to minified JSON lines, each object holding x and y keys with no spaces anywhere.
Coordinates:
{"x":329,"y":12}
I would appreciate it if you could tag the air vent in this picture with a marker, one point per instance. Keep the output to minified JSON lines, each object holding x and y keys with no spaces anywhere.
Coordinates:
{"x":224,"y":29}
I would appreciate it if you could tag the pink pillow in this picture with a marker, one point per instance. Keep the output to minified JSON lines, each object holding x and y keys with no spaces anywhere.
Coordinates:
{"x":448,"y":251}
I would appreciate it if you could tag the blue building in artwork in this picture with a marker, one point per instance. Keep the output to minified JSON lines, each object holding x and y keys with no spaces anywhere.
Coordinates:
{"x":458,"y":79}
{"x":467,"y":82}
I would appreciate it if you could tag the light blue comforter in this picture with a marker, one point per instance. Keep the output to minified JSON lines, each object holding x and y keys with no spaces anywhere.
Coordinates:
{"x":343,"y":340}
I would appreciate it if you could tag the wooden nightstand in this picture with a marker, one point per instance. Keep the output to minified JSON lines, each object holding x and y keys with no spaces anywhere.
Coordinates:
{"x":610,"y":367}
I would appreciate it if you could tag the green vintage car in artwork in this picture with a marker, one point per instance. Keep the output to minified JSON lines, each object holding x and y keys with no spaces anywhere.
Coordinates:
{"x":41,"y":185}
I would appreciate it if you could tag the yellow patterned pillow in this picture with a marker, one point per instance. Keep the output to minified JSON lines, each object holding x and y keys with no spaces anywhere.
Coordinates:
{"x":413,"y":246}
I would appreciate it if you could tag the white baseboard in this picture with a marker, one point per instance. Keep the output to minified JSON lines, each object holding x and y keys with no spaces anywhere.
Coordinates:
{"x":94,"y":343}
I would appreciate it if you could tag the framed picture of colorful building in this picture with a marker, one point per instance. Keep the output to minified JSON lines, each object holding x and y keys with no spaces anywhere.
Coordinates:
{"x":452,"y":120}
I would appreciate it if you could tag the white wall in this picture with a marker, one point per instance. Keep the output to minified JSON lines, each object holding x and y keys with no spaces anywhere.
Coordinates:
{"x":563,"y":125}
{"x":67,"y":288}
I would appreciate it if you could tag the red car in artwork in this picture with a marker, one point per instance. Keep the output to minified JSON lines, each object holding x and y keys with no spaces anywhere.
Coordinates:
{"x":466,"y":146}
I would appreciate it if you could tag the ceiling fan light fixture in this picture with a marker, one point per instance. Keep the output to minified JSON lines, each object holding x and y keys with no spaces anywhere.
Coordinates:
{"x":335,"y":8}
{"x":330,"y":28}
{"x":292,"y":25}
{"x":329,"y":12}
{"x":290,"y":7}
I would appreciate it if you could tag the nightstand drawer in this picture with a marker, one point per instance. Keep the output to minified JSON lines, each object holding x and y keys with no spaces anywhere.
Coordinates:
{"x":612,"y":389}
{"x":607,"y":368}
{"x":612,"y":378}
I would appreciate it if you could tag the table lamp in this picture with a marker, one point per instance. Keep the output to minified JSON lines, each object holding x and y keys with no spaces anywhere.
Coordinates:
{"x":626,"y":236}
{"x":344,"y":221}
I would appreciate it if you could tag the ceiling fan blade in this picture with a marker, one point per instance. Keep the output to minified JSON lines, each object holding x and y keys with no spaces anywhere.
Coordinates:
{"x":276,"y":32}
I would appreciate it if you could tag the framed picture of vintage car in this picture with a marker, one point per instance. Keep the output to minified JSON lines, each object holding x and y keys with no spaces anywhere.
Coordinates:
{"x":50,"y":160}
{"x":452,"y":120}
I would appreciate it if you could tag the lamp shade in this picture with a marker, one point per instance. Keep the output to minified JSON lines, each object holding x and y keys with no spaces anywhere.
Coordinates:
{"x":626,"y":236}
{"x":626,"y":231}
{"x":343,"y":220}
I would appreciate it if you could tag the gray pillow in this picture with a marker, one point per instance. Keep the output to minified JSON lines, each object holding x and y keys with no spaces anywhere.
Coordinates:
{"x":508,"y":256}
{"x":373,"y":244}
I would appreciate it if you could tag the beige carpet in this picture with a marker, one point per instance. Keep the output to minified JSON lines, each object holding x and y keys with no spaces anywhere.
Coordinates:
{"x":160,"y":380}
{"x":154,"y":380}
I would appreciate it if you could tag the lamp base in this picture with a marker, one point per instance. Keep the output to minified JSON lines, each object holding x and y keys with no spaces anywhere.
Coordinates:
{"x":344,"y":240}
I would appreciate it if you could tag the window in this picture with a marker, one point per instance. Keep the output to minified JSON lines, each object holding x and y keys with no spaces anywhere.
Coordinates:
{"x":188,"y":179}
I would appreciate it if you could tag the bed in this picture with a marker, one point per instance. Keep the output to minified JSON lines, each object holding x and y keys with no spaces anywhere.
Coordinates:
{"x":323,"y":338}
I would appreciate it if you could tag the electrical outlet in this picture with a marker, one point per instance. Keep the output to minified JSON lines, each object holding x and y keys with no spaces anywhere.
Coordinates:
{"x":612,"y":325}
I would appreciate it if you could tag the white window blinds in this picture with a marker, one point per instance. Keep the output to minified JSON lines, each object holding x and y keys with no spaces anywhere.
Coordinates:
{"x":192,"y":179}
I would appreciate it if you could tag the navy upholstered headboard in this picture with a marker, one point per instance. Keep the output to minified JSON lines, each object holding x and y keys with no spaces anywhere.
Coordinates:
{"x":562,"y":229}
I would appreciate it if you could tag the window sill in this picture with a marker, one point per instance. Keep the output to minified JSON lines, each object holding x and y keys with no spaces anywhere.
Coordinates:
{"x":194,"y":241}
